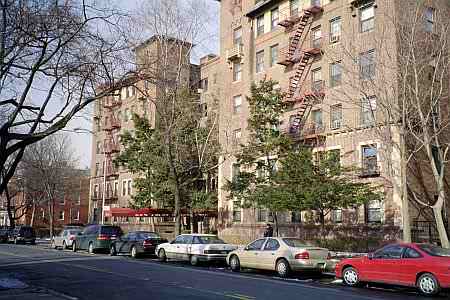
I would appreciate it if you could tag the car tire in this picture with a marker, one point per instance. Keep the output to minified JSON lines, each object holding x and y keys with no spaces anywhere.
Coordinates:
{"x":428,"y":285}
{"x":350,"y":276}
{"x":74,"y":246}
{"x":235,"y":264}
{"x":134,"y":253}
{"x":112,"y":250}
{"x":91,"y":249}
{"x":64,"y":245}
{"x":282,"y":267}
{"x":193,"y":259}
{"x":162,"y":255}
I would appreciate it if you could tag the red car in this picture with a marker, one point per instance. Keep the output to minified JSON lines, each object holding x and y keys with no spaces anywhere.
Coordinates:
{"x":424,"y":266}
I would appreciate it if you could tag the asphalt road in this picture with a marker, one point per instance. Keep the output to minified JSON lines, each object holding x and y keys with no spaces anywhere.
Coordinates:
{"x":82,"y":276}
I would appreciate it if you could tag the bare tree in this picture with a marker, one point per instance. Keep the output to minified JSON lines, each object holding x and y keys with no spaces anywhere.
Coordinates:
{"x":401,"y":92}
{"x":54,"y":55}
{"x":49,"y":166}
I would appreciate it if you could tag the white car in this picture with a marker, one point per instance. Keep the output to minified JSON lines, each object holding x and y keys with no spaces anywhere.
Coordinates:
{"x":195,"y":248}
{"x":65,"y":239}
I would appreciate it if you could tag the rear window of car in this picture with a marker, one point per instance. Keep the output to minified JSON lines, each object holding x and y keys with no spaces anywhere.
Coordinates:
{"x":148,"y":235}
{"x":207,"y":240}
{"x":111,"y":230}
{"x":296,"y":243}
{"x":74,"y":231}
{"x":434,"y":250}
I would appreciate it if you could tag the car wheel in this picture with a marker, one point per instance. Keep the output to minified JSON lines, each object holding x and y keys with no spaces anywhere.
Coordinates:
{"x":428,"y":284}
{"x":162,"y":255}
{"x":91,"y":248}
{"x":134,"y":253}
{"x":74,"y":246}
{"x":235,"y":264}
{"x":64,"y":245}
{"x":193,"y":260}
{"x":112,"y":251}
{"x":350,"y":276}
{"x":283,"y":268}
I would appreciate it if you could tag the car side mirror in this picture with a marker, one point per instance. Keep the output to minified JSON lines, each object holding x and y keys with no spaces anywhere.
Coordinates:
{"x":246,"y":249}
{"x":370,"y":256}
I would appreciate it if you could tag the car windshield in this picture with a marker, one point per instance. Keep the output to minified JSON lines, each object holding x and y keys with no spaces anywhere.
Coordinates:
{"x":296,"y":243}
{"x":434,"y":250}
{"x":148,"y":235}
{"x":111,"y":230}
{"x":209,"y":240}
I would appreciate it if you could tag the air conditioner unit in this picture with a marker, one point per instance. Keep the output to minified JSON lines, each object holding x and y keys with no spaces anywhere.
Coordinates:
{"x":335,"y":38}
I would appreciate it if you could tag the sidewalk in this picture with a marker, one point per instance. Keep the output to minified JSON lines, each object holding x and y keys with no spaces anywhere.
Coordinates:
{"x":11,"y":288}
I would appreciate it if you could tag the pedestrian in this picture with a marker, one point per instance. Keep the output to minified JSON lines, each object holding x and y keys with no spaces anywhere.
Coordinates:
{"x":269,"y":230}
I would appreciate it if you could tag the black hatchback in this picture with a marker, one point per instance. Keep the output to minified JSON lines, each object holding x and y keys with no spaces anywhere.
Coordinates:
{"x":22,"y":234}
{"x":137,"y":243}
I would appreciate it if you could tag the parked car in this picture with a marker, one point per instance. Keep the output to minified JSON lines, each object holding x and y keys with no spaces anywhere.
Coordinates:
{"x":22,"y":234}
{"x":65,"y":239}
{"x":281,"y":254}
{"x":96,"y":237}
{"x":424,"y":266}
{"x":195,"y":248}
{"x":136,"y":243}
{"x":4,"y":233}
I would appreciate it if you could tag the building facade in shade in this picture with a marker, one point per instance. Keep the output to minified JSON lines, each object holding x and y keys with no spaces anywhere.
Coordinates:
{"x":71,"y":208}
{"x":310,"y":47}
{"x":113,"y":185}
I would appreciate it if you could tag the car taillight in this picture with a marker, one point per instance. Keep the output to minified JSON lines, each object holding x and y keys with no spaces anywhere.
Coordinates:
{"x":302,"y":255}
{"x":103,"y":237}
{"x":147,"y":243}
{"x":72,"y":238}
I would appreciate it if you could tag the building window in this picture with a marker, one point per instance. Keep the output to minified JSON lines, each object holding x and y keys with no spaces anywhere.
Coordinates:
{"x":336,"y":216}
{"x":273,"y":55}
{"x":261,"y":215}
{"x":97,"y":169}
{"x":61,"y":215}
{"x":96,"y":191}
{"x":77,"y":215}
{"x":260,"y":61}
{"x":293,"y":6}
{"x":274,"y":16}
{"x":99,"y":147}
{"x":335,"y":74}
{"x":316,"y":37}
{"x":204,"y":84}
{"x":236,"y":211}
{"x":316,"y":78}
{"x":368,"y":110}
{"x":369,"y":160}
{"x":237,"y":36}
{"x":374,"y":211}
{"x":116,"y":188}
{"x":124,"y":187}
{"x":317,"y":119}
{"x":335,"y":30}
{"x":235,"y":171}
{"x":296,"y":217}
{"x":336,"y":116}
{"x":129,"y":187}
{"x":237,"y":136}
{"x":237,"y":72}
{"x":367,"y":18}
{"x":367,"y":65}
{"x":429,"y":19}
{"x":237,"y":102}
{"x":260,"y":25}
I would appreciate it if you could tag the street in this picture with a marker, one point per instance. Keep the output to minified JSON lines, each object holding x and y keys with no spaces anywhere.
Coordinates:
{"x":61,"y":274}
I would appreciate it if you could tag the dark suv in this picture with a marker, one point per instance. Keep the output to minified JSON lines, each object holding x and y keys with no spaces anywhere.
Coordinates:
{"x":22,"y":234}
{"x":96,"y":237}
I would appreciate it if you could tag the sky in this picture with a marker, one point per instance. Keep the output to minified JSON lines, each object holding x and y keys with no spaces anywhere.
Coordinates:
{"x":79,"y":128}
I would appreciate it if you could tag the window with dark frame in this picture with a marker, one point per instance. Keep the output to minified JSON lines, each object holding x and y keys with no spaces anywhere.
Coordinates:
{"x":237,"y":211}
{"x":368,"y":110}
{"x":335,"y":29}
{"x":335,"y":74}
{"x":429,"y":19}
{"x":274,"y":16}
{"x":294,"y":7}
{"x":367,"y":65}
{"x":374,"y":211}
{"x":369,"y":160}
{"x":237,"y":36}
{"x":259,"y":61}
{"x":296,"y":217}
{"x":336,"y":116}
{"x":237,"y":102}
{"x":237,"y":71}
{"x":273,"y":55}
{"x":260,"y":25}
{"x":316,"y":37}
{"x":337,"y":216}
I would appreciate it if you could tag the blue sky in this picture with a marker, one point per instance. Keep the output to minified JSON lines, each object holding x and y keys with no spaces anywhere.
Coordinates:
{"x":208,"y":43}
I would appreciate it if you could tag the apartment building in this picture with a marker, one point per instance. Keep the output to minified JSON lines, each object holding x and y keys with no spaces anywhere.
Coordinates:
{"x":321,"y":52}
{"x":111,"y":187}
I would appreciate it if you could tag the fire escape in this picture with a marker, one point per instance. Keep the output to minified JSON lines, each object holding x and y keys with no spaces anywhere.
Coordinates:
{"x":111,"y":146}
{"x":299,"y":57}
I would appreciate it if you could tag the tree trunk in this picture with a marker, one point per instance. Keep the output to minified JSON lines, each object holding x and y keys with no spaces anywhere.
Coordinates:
{"x":275,"y":220}
{"x":11,"y":217}
{"x":177,"y":211}
{"x":50,"y":217}
{"x":437,"y":210}
{"x":191,"y":220}
{"x":404,"y":192}
{"x":33,"y":212}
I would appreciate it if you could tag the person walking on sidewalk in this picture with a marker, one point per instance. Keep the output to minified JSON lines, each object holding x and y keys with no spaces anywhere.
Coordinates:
{"x":269,"y":231}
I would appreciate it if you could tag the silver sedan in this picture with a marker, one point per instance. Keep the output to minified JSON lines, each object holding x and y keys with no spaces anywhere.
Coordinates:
{"x":65,"y":239}
{"x":280,"y":254}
